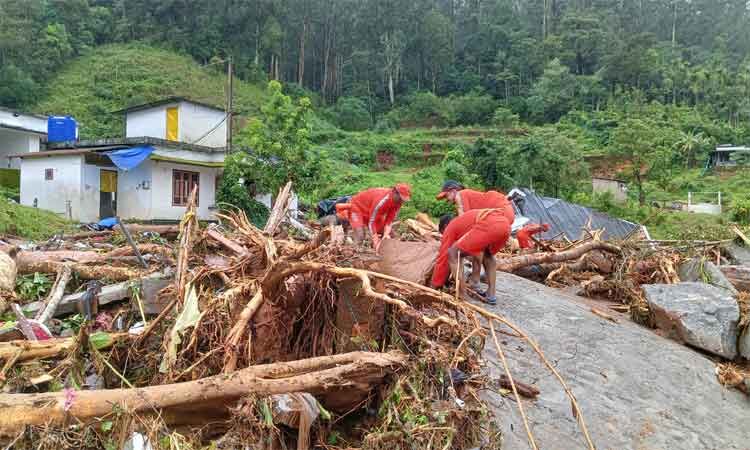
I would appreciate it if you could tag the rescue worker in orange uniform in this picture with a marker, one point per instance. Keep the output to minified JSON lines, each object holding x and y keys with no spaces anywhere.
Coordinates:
{"x":376,"y":209}
{"x":467,"y":200}
{"x":479,"y":233}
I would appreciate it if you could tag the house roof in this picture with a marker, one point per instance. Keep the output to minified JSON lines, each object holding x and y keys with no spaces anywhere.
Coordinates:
{"x":127,"y":142}
{"x":732,"y":148}
{"x":568,"y":219}
{"x":44,"y":154}
{"x":20,"y":113}
{"x":23,"y":129}
{"x":165,"y":101}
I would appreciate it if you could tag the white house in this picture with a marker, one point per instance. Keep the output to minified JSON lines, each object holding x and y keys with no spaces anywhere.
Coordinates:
{"x":169,"y":147}
{"x":178,"y":119}
{"x":20,"y":133}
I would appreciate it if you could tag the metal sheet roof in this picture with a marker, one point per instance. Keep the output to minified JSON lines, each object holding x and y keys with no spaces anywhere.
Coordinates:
{"x":569,"y":219}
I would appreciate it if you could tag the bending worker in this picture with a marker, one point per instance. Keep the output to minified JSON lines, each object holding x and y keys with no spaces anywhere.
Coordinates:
{"x":468,"y":200}
{"x":376,"y":209}
{"x":479,"y":233}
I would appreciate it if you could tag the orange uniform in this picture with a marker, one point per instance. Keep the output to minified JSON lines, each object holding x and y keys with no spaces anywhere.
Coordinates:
{"x":469,"y":199}
{"x":471,"y":232}
{"x":525,"y":234}
{"x":373,"y":208}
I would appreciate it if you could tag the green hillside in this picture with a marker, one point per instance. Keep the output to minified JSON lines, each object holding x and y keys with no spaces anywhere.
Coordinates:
{"x":113,"y":77}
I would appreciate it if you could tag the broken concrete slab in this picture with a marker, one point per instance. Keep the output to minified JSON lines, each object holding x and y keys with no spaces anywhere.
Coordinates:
{"x":697,"y":314}
{"x":700,"y":270}
{"x":637,"y":390}
{"x":150,"y":285}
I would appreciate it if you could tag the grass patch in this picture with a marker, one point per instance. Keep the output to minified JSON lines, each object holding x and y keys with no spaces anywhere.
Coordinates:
{"x":689,"y":226}
{"x":29,"y":223}
{"x":112,"y":77}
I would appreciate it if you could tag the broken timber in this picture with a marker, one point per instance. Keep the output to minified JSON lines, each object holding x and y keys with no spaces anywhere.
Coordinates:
{"x":314,"y":375}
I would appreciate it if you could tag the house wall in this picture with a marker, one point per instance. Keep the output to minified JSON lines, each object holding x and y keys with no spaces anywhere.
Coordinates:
{"x":38,"y":124}
{"x":618,"y":189}
{"x":194,"y":121}
{"x":197,"y":120}
{"x":89,"y":205}
{"x":134,"y":192}
{"x":161,"y":191}
{"x":147,"y":122}
{"x":12,"y":142}
{"x":54,"y":194}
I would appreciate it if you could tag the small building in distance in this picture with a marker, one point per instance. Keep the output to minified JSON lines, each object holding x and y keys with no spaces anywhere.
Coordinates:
{"x":170,"y":147}
{"x":726,"y":155}
{"x":178,"y":119}
{"x":618,"y":188}
{"x":20,"y":133}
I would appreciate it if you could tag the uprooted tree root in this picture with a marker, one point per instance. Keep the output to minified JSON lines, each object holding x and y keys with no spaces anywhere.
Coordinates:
{"x":413,"y":380}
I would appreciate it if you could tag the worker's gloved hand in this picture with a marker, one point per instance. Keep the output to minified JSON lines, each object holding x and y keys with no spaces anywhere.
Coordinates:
{"x":387,"y":231}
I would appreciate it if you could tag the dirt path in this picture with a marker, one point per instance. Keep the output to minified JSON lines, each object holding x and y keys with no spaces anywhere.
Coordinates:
{"x":636,"y":389}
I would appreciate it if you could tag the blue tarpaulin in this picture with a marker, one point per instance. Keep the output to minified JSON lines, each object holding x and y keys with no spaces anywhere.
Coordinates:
{"x":130,"y":158}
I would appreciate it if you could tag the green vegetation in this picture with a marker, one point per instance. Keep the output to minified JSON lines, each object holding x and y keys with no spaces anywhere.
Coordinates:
{"x":417,"y":91}
{"x":32,"y":287}
{"x":30,"y":223}
{"x":113,"y":77}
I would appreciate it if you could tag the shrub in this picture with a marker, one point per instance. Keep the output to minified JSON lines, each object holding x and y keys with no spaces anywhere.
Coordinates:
{"x":474,"y":108}
{"x":505,"y":118}
{"x":422,"y":109}
{"x":740,"y":210}
{"x":235,"y":191}
{"x":351,"y":114}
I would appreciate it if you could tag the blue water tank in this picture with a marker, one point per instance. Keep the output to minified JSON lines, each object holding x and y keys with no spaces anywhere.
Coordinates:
{"x":61,"y":129}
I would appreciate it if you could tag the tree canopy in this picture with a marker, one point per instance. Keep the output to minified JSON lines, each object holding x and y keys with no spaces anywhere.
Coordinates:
{"x":540,"y":58}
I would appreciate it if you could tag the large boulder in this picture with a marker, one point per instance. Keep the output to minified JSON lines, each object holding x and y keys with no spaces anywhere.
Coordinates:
{"x":697,"y":314}
{"x":637,"y":390}
{"x":701,"y":270}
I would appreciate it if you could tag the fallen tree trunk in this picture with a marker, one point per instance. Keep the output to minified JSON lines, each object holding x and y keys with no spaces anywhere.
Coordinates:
{"x":55,"y":294}
{"x":516,"y":262}
{"x":214,"y":234}
{"x":315,"y":375}
{"x":26,"y":259}
{"x":145,"y":249}
{"x":279,"y":210}
{"x":51,"y":348}
{"x":594,"y":261}
{"x":84,"y":272}
{"x":86,"y":235}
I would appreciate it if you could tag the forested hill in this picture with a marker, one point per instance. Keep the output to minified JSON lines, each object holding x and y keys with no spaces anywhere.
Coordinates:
{"x":542,"y":57}
{"x":112,"y":77}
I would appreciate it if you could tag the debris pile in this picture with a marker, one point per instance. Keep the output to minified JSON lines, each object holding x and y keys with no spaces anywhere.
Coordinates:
{"x":242,"y":336}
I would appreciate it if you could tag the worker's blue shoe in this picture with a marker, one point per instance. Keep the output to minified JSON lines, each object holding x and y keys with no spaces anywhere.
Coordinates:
{"x":489,"y":299}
